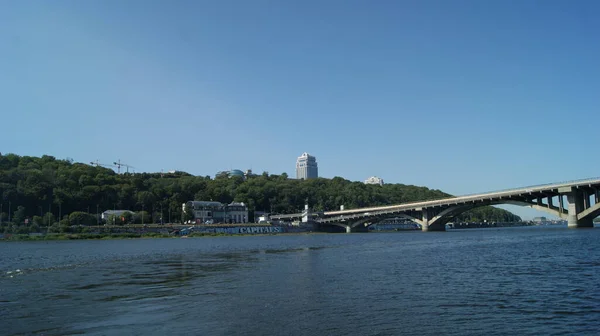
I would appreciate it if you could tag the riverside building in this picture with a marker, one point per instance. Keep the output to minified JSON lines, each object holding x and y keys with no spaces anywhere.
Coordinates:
{"x":208,"y":212}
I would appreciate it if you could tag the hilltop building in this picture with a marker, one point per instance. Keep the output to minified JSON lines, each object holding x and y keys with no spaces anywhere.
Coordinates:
{"x":236,"y":172}
{"x":306,"y":167}
{"x":374,"y":180}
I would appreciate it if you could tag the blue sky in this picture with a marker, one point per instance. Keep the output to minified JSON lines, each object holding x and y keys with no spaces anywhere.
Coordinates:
{"x":462,"y":96}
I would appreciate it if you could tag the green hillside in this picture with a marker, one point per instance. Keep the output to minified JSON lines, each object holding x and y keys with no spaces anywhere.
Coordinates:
{"x":48,"y":187}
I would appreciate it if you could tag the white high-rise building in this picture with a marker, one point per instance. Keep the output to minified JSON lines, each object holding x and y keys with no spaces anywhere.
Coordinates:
{"x":374,"y":180}
{"x":306,"y":167}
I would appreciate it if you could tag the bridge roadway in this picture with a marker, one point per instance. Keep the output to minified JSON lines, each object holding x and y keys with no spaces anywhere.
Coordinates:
{"x":575,"y":201}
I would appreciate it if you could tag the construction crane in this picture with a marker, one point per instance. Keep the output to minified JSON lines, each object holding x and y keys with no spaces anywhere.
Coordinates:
{"x":119,"y":164}
{"x":98,"y":164}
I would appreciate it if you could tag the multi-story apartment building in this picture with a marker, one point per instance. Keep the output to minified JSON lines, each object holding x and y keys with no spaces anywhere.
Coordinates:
{"x":306,"y":167}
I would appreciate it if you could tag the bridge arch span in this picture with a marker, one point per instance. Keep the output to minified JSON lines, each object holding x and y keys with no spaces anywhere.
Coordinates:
{"x":342,"y":225}
{"x":447,"y":214}
{"x":375,"y":220}
{"x":349,"y":226}
{"x":590,"y":213}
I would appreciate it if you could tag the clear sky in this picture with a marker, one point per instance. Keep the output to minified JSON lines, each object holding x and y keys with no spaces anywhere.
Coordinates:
{"x":462,"y":96}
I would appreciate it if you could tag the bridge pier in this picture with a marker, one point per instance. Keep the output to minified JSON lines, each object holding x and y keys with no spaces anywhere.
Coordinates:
{"x":433,"y":227}
{"x":575,"y":223}
{"x":428,"y":225}
{"x":577,"y":204}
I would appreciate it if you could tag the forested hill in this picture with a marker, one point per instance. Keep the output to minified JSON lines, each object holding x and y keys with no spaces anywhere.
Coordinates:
{"x":39,"y":184}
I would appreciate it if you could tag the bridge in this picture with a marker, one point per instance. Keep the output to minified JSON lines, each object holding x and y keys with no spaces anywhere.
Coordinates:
{"x":574,"y":201}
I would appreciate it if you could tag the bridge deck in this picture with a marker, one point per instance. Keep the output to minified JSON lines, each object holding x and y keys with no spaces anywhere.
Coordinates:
{"x":459,"y":199}
{"x":473,"y":197}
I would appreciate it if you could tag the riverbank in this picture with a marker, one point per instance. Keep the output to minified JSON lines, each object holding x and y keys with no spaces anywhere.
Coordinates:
{"x":103,"y":236}
{"x":155,"y":231}
{"x":78,"y":236}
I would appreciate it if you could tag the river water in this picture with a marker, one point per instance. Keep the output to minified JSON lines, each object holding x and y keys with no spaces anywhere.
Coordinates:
{"x":518,"y":281}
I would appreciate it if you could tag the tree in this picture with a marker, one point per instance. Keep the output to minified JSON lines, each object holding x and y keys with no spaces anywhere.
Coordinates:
{"x":34,"y":228}
{"x":82,"y":218}
{"x":113,"y":220}
{"x":38,"y":220}
{"x":19,"y":216}
{"x":49,"y":219}
{"x":145,"y":197}
{"x":126,"y":218}
{"x":188,"y":215}
{"x":142,"y":217}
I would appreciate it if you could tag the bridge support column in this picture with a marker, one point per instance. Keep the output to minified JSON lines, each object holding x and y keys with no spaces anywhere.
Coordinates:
{"x":550,"y":205}
{"x":433,"y":227}
{"x":561,"y":204}
{"x":348,"y":229}
{"x":581,"y":223}
{"x":577,"y":204}
{"x":428,"y":225}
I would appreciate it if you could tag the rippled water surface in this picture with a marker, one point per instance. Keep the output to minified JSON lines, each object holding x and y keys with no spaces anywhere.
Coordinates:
{"x":523,"y":281}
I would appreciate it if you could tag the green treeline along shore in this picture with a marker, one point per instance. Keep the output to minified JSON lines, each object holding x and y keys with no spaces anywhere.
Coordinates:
{"x":45,"y":194}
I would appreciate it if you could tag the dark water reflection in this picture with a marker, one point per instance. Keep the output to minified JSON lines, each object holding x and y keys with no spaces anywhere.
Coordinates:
{"x":529,"y":281}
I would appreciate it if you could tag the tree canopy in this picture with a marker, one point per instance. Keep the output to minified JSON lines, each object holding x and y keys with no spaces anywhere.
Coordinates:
{"x":47,"y":187}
